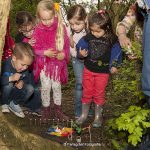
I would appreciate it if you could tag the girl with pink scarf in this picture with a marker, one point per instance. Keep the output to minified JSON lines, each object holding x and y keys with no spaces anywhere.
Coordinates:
{"x":52,"y":56}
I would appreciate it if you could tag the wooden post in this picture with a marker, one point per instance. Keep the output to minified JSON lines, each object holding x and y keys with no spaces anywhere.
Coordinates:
{"x":4,"y":13}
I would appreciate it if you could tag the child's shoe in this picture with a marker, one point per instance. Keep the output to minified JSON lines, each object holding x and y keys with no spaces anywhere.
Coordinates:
{"x":5,"y":108}
{"x":85,"y":111}
{"x":37,"y":113}
{"x":16,"y":109}
{"x":59,"y":114}
{"x":98,"y":116}
{"x":45,"y":114}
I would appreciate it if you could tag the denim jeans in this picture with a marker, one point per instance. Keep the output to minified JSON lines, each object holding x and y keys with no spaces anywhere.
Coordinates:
{"x":146,"y":56}
{"x":19,"y":96}
{"x":34,"y":102}
{"x":78,"y":72}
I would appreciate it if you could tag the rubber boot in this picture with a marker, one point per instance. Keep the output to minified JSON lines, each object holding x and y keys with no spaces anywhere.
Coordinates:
{"x":59,"y":114}
{"x":46,"y":112}
{"x":85,"y":112}
{"x":98,"y":116}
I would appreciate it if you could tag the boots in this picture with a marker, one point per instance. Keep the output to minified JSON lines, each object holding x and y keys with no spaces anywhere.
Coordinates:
{"x":46,"y":112}
{"x":59,"y":114}
{"x":98,"y":116}
{"x":85,"y":111}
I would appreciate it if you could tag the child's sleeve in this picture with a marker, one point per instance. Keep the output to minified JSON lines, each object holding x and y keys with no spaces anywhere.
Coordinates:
{"x":116,"y":55}
{"x":82,"y":44}
{"x":128,"y":20}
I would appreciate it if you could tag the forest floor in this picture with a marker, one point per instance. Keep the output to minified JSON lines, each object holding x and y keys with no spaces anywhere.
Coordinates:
{"x":91,"y":138}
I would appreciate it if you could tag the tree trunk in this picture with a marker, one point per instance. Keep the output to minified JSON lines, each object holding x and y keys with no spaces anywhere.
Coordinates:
{"x":4,"y":13}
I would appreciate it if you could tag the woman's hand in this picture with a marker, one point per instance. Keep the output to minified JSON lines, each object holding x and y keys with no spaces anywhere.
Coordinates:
{"x":124,"y":40}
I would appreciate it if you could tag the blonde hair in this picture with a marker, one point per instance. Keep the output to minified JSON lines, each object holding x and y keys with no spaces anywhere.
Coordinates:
{"x":49,"y":5}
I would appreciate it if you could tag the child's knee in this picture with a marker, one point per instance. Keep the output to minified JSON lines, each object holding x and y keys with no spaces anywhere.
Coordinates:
{"x":78,"y":86}
{"x":30,"y":88}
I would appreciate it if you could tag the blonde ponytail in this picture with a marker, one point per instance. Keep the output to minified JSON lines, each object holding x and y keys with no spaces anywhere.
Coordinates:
{"x":60,"y":32}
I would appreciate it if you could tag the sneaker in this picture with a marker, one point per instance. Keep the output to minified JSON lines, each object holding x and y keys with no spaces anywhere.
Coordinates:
{"x":16,"y":109}
{"x":37,"y":113}
{"x":5,"y":109}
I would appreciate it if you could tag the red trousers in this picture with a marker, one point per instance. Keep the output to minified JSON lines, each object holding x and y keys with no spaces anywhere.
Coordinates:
{"x":94,"y":85}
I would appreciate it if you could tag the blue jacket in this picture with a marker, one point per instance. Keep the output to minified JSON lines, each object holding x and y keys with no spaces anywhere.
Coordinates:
{"x":116,"y":52}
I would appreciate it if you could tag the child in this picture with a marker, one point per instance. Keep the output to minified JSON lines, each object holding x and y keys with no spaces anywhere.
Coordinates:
{"x":77,"y":19}
{"x":15,"y":80}
{"x":26,"y":24}
{"x":96,"y":49}
{"x":52,"y":55}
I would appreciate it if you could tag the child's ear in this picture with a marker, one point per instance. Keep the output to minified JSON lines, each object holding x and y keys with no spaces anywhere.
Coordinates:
{"x":14,"y":58}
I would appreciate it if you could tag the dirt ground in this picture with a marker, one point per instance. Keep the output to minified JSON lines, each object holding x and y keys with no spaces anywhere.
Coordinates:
{"x":91,"y":138}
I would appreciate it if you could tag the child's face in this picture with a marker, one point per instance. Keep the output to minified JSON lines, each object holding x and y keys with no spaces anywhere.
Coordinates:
{"x":27,"y":30}
{"x":46,"y":17}
{"x":97,"y":31}
{"x":21,"y":64}
{"x":77,"y":25}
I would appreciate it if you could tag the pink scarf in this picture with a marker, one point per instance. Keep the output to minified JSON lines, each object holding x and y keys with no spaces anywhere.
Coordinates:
{"x":45,"y":39}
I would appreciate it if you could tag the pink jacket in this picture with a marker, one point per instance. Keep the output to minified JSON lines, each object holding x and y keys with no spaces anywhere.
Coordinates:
{"x":45,"y":39}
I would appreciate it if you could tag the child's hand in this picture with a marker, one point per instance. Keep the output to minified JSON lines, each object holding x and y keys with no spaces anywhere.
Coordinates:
{"x":14,"y":77}
{"x":50,"y":53}
{"x":19,"y":84}
{"x":60,"y":56}
{"x":83,"y":53}
{"x":32,"y":42}
{"x":113,"y":70}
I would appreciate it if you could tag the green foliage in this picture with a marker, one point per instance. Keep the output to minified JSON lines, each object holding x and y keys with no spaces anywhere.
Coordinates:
{"x":126,"y":87}
{"x":77,"y":128}
{"x":134,"y":123}
{"x":126,"y":84}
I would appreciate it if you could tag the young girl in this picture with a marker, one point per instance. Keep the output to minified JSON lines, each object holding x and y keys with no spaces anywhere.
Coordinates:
{"x":25,"y":23}
{"x":77,"y":19}
{"x":96,"y":49}
{"x":52,"y":55}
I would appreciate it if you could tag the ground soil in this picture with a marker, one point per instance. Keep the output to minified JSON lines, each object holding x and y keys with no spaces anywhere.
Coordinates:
{"x":98,"y":139}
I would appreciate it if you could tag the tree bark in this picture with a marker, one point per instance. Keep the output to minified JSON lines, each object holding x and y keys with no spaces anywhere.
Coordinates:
{"x":4,"y":13}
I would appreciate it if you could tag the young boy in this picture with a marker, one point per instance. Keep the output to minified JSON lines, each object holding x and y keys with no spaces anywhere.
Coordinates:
{"x":15,"y":79}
